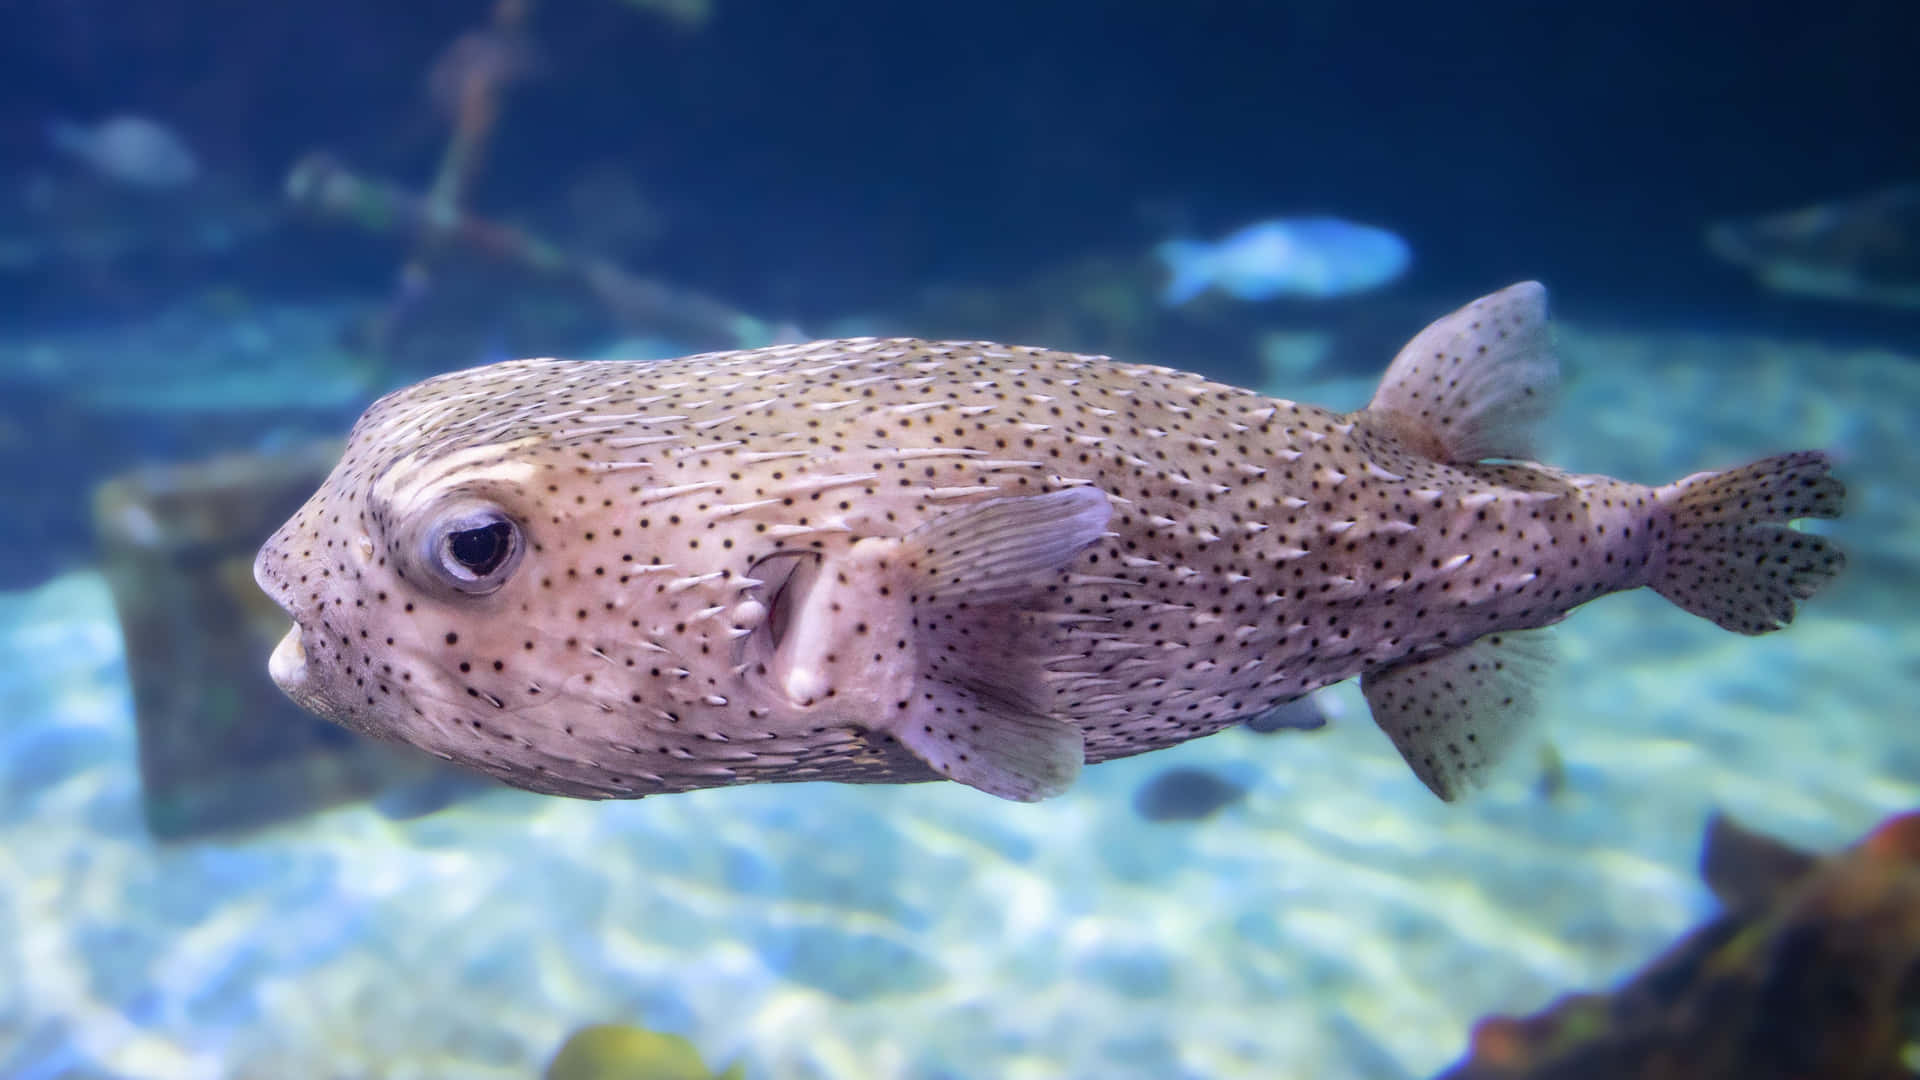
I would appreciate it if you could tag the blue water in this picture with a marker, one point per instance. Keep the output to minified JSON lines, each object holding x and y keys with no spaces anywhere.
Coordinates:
{"x":991,"y":170}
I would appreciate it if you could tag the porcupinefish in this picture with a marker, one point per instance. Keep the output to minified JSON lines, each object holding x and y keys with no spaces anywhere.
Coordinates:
{"x":898,"y":560}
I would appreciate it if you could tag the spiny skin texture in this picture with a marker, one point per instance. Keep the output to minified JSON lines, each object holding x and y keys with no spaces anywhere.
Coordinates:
{"x":692,"y":528}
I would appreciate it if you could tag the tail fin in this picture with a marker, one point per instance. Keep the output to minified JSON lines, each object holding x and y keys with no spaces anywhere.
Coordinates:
{"x":1732,"y":557}
{"x":1190,"y":265}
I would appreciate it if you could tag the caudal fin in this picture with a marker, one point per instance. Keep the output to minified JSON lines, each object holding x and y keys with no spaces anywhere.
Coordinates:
{"x":1733,"y":558}
{"x":1189,"y":270}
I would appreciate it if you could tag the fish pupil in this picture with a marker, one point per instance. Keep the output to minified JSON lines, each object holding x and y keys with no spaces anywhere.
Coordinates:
{"x":481,"y":551}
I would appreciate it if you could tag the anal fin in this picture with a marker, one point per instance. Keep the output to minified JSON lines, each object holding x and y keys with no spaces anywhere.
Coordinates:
{"x":1454,"y":714}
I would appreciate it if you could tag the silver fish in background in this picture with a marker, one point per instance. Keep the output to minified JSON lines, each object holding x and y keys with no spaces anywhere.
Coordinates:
{"x":1864,"y":250}
{"x":133,"y":151}
{"x":898,"y":560}
{"x":1315,"y":258}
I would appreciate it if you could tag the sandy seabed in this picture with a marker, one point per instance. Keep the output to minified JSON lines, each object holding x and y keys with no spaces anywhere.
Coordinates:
{"x":1337,"y":923}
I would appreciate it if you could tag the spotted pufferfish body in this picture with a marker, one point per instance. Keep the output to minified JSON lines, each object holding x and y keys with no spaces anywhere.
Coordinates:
{"x":897,"y":560}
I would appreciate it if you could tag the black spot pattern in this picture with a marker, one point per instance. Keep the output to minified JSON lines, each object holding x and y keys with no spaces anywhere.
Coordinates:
{"x":1258,"y":549}
{"x":1735,"y":561}
{"x":1454,"y":713}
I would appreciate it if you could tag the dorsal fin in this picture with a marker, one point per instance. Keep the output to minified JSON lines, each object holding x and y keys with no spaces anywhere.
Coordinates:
{"x":1476,"y":383}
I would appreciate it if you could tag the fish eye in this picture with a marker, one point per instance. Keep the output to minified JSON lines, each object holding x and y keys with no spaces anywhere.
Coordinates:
{"x":475,"y":551}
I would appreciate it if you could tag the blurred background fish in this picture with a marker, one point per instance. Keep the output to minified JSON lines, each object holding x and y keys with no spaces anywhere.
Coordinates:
{"x":128,"y":149}
{"x":1864,"y":250}
{"x":631,"y":1052}
{"x":1314,"y":257}
{"x":1186,"y":793}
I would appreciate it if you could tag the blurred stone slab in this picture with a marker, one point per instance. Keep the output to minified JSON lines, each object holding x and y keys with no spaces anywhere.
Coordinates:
{"x":220,"y":746}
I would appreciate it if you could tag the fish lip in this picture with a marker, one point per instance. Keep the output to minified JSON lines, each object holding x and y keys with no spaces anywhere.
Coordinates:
{"x":290,"y":671}
{"x":288,"y":664}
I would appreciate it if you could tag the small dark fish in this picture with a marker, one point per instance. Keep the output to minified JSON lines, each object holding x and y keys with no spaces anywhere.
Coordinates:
{"x":1185,"y":794}
{"x":1551,"y":782}
{"x":1299,"y":715}
{"x":1864,"y":250}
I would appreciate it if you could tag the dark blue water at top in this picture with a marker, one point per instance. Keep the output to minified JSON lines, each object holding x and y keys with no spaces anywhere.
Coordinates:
{"x":803,"y":154}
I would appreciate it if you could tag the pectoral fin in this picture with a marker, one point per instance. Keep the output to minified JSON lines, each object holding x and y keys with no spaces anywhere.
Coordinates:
{"x":1454,"y":714}
{"x":981,"y":712}
{"x":926,"y":637}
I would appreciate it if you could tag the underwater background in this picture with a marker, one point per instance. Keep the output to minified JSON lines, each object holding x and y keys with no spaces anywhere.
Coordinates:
{"x":226,"y":227}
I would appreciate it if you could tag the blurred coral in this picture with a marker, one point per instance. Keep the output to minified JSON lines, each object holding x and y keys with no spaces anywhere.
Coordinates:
{"x":1809,"y":972}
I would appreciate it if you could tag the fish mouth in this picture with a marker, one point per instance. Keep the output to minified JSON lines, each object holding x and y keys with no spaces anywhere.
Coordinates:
{"x":290,"y":671}
{"x":288,"y":664}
